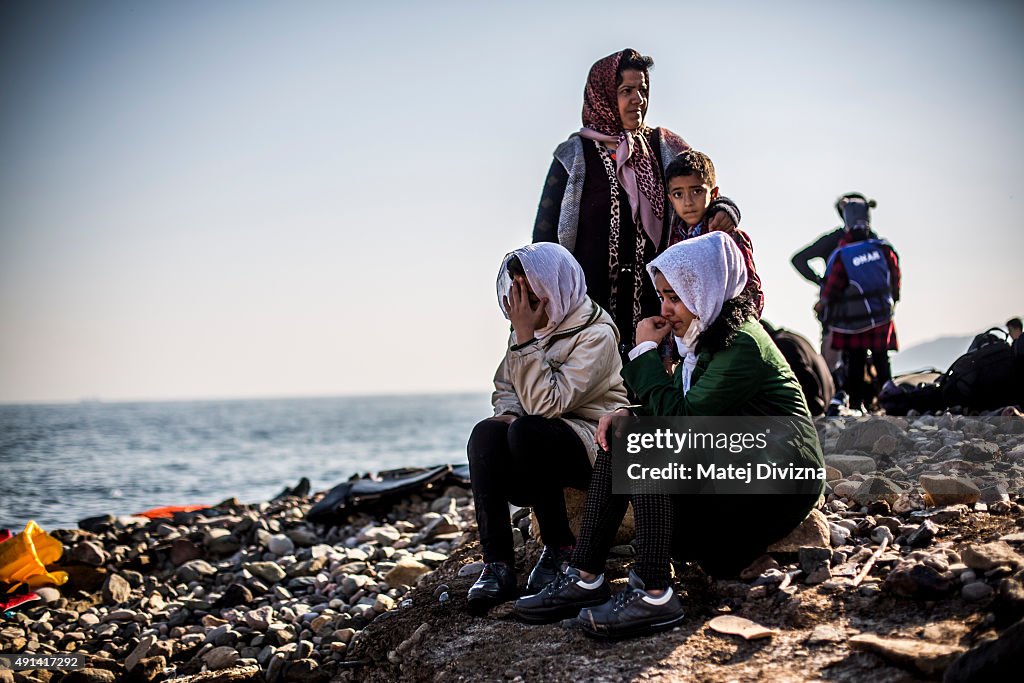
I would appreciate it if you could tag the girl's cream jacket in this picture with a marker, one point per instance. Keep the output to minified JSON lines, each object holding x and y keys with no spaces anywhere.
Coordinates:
{"x":572,"y":374}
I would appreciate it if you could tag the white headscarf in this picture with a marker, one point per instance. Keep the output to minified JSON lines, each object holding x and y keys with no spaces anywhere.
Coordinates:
{"x":704,"y":272}
{"x":554,"y":274}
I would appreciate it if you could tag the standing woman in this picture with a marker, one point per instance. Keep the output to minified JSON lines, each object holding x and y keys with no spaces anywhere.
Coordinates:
{"x":604,"y":198}
{"x":559,"y":375}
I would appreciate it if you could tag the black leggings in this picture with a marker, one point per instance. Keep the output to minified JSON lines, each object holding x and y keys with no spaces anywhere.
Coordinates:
{"x":527,"y":463}
{"x":859,"y":390}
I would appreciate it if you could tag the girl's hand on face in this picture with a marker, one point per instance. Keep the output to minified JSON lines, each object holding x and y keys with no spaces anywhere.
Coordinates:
{"x":524,"y":316}
{"x":652,"y":329}
{"x":608,"y":421}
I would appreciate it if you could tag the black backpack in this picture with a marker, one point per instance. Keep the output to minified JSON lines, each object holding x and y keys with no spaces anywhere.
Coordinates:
{"x":808,"y":365}
{"x":984,"y":378}
{"x":987,"y":337}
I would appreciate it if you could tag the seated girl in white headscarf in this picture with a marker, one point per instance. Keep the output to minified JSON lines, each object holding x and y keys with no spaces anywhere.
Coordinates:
{"x":559,"y":375}
{"x":730,"y":367}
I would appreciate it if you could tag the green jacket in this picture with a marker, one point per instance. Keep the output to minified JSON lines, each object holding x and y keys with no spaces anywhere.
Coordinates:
{"x":750,"y":377}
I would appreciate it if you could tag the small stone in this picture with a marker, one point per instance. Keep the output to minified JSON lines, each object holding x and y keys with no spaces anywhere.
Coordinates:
{"x":946,"y":490}
{"x":875,"y":489}
{"x":271,"y":572}
{"x":303,"y":537}
{"x":838,"y":535}
{"x":301,"y":670}
{"x":979,"y":451}
{"x":734,"y":625}
{"x":821,"y":574}
{"x":344,"y":635}
{"x":279,"y":544}
{"x":976,"y":592}
{"x":380,"y":534}
{"x":259,"y":619}
{"x":221,"y":658}
{"x":88,"y":552}
{"x":990,"y":555}
{"x":195,"y":570}
{"x":116,"y":589}
{"x":923,"y":535}
{"x":846,"y":489}
{"x":471,"y":569}
{"x":832,"y":474}
{"x":811,"y":558}
{"x":863,"y":435}
{"x":908,"y":502}
{"x":235,"y":595}
{"x":825,"y":633}
{"x":850,"y":464}
{"x":930,"y":659}
{"x":758,"y":567}
{"x":383,"y":603}
{"x":89,"y":675}
{"x":184,"y":551}
{"x":406,"y":572}
{"x":47,"y":594}
{"x":886,"y":445}
{"x":813,"y":531}
{"x":140,"y":651}
{"x":882,"y":533}
{"x":917,"y":581}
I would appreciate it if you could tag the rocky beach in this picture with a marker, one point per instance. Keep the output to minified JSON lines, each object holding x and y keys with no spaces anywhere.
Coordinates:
{"x":911,"y":569}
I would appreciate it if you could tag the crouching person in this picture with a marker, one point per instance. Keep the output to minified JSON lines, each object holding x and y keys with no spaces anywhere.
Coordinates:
{"x":560,"y":374}
{"x":730,"y":367}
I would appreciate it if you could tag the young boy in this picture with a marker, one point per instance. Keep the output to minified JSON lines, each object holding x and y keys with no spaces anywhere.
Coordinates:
{"x":692,"y":190}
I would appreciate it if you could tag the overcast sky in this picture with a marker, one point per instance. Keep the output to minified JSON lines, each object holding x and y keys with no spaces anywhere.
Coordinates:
{"x":228,"y":199}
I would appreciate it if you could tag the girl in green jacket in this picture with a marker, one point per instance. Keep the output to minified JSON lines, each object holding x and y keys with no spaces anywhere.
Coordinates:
{"x":730,"y":368}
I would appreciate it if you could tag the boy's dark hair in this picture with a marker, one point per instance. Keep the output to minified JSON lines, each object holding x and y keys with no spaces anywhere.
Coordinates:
{"x":1015,"y":323}
{"x":515,"y":267}
{"x":631,"y":59}
{"x":692,"y":162}
{"x":735,"y":312}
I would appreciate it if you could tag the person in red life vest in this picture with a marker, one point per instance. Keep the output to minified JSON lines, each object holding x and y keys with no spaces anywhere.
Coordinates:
{"x":822,"y":248}
{"x":860,"y":288}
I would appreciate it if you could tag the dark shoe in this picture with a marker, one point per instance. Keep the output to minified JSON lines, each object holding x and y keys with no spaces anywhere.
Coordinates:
{"x":837,"y":405}
{"x":563,"y":597}
{"x":497,"y":583}
{"x":547,"y":569}
{"x":628,"y":614}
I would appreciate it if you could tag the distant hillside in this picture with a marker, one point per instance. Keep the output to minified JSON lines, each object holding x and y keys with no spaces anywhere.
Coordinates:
{"x":938,"y":353}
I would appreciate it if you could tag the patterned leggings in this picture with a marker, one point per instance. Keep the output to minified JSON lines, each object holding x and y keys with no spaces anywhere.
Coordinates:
{"x":602,"y":515}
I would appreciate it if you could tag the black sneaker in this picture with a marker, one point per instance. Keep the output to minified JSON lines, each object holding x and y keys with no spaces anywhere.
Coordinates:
{"x":497,"y":583}
{"x":547,"y":569}
{"x":563,"y":597}
{"x":629,"y":614}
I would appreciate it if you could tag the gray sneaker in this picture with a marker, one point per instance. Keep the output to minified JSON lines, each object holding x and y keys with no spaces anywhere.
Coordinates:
{"x":563,"y":597}
{"x":627,"y":614}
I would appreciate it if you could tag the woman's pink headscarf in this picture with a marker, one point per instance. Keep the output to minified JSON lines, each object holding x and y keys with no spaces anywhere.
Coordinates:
{"x":636,"y":165}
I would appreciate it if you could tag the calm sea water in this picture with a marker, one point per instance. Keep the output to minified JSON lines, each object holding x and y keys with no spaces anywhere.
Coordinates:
{"x":62,"y":463}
